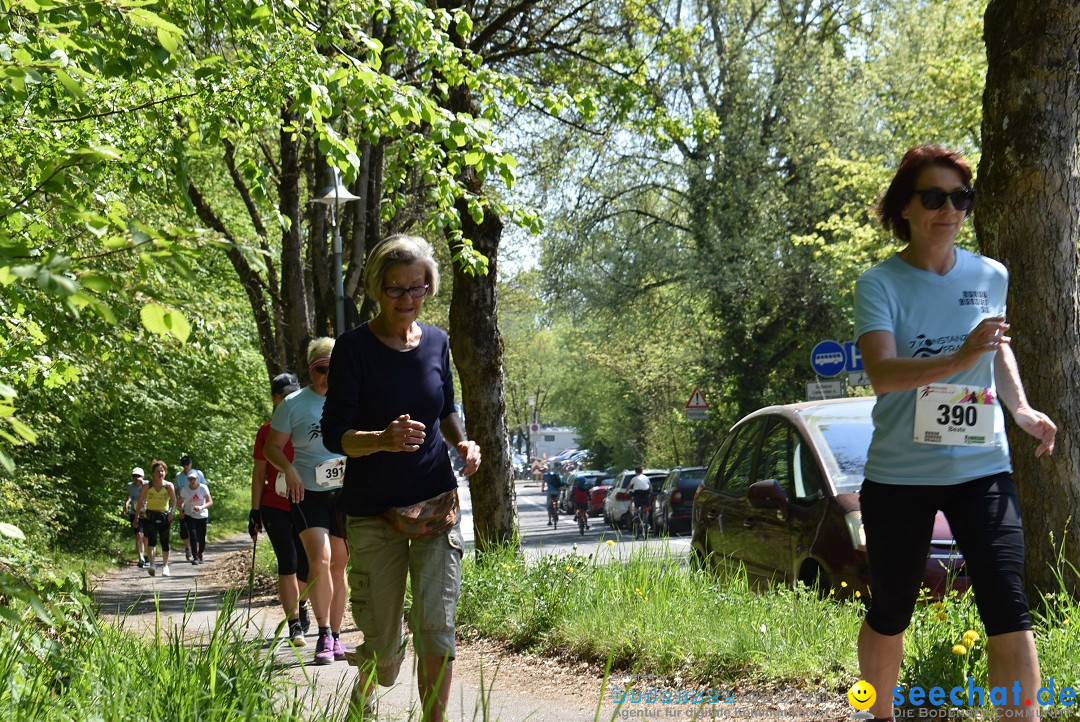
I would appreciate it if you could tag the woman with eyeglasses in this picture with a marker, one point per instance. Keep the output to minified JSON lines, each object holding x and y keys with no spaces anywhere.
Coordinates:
{"x":312,"y":483}
{"x":390,"y":409}
{"x":930,"y":321}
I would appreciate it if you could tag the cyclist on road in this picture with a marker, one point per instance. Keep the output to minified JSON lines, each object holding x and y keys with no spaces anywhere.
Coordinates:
{"x":581,"y":501}
{"x":554,"y":483}
{"x":640,"y":490}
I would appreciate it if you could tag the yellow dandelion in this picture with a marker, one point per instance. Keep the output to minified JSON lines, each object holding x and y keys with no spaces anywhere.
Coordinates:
{"x":941,"y":616}
{"x":569,"y":569}
{"x":832,"y":592}
{"x":1066,"y":621}
{"x":959,"y":649}
{"x":858,"y":594}
{"x":610,"y":543}
{"x":843,"y":585}
{"x":968,"y":642}
{"x":938,"y":606}
{"x":972,"y":635}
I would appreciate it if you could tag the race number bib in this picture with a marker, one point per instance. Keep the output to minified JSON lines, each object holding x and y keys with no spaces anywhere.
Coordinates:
{"x":955,"y":415}
{"x":331,"y":474}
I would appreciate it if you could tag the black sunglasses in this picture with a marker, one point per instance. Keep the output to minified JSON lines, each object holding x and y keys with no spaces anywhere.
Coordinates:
{"x":934,"y":198}
{"x":321,"y":369}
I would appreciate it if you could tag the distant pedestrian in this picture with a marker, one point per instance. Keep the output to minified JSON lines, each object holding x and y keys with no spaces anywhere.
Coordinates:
{"x":195,"y":503}
{"x":179,"y":483}
{"x":158,"y":502}
{"x":131,"y":504}
{"x":270,"y":510}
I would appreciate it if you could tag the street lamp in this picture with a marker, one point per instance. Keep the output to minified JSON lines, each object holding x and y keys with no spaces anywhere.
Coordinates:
{"x":334,"y":196}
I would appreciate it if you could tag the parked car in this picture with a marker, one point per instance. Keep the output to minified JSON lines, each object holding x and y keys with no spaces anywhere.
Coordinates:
{"x":674,"y":503}
{"x":781,"y":498}
{"x":597,"y":494}
{"x":566,"y":498}
{"x":617,"y":501}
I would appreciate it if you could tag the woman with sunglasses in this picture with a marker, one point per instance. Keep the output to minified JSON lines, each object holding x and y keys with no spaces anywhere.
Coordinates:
{"x":312,"y":482}
{"x":930,"y":321}
{"x":390,"y":409}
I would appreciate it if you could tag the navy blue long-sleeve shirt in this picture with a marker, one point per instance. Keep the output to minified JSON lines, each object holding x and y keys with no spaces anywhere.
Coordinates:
{"x":372,"y":384}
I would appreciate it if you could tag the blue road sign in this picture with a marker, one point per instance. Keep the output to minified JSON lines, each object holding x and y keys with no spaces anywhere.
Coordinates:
{"x":852,"y":356}
{"x":828,"y":359}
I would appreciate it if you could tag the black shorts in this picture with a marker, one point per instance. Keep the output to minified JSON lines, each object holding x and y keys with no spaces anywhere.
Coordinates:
{"x":291,"y":558}
{"x":156,"y":524}
{"x":136,"y":529}
{"x":317,"y":510}
{"x":984,"y":515}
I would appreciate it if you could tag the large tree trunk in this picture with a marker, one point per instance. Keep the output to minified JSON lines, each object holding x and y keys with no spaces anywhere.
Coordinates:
{"x":477,"y":346}
{"x":1029,"y":204}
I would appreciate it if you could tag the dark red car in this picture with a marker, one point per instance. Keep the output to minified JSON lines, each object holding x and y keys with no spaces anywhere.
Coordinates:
{"x":781,"y":498}
{"x":597,"y":494}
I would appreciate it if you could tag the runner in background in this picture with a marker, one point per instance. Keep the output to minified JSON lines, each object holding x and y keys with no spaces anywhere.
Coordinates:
{"x":313,"y":482}
{"x":158,"y":500}
{"x":131,"y":503}
{"x":195,"y":502}
{"x":179,"y":483}
{"x":270,"y":510}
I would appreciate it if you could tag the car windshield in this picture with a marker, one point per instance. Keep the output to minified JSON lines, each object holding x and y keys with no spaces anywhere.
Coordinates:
{"x":841,"y":433}
{"x":691,"y":479}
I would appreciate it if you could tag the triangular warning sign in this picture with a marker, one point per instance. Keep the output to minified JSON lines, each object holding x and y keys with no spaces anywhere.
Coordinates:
{"x":697,"y":400}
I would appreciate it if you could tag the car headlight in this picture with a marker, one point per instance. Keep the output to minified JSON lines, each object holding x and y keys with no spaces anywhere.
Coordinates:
{"x":853,"y":520}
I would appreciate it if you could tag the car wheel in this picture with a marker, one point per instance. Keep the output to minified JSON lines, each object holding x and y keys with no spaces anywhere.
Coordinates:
{"x":816,"y":579}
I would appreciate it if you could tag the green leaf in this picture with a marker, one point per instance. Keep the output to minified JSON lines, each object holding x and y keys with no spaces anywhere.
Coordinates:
{"x":7,"y":392}
{"x":70,"y":84}
{"x":22,"y":430}
{"x":153,"y":319}
{"x":177,"y":325}
{"x":261,"y":12}
{"x":147,"y":19}
{"x":169,"y":41}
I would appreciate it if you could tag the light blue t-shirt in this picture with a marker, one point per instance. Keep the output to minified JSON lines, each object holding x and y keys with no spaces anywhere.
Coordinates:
{"x":930,"y":314}
{"x":300,"y":415}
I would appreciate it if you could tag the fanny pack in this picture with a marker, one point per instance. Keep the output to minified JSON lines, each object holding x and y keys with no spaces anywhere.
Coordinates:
{"x":430,"y":517}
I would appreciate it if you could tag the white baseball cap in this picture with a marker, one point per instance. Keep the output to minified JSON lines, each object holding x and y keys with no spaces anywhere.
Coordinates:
{"x":137,"y":471}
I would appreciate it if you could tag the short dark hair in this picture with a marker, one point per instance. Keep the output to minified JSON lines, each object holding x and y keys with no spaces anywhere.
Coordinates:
{"x":638,"y":469}
{"x":891,"y":207}
{"x":185,"y":460}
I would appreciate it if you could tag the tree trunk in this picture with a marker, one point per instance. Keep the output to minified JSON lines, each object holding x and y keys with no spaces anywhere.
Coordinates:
{"x":294,"y":292}
{"x":1029,"y":204}
{"x":477,"y":346}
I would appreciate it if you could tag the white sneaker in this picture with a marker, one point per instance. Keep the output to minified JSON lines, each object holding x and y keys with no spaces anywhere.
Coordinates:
{"x":165,"y":570}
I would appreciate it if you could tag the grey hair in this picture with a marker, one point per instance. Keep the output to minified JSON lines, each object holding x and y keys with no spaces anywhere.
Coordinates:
{"x":403,"y":249}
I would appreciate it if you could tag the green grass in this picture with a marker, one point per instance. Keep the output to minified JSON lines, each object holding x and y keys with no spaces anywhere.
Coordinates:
{"x":656,"y":617}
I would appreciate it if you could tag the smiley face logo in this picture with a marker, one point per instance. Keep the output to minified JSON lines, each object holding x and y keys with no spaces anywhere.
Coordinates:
{"x":862,"y":695}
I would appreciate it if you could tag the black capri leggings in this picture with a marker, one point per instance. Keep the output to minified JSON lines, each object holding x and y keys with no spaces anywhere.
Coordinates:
{"x":157,"y":523}
{"x":984,"y":515}
{"x":288,"y":549}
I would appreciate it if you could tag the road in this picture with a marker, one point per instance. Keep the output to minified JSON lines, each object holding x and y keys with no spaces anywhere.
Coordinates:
{"x":540,"y":539}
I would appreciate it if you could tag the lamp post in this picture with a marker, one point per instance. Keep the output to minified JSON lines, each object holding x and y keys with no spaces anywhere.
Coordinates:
{"x":334,"y":196}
